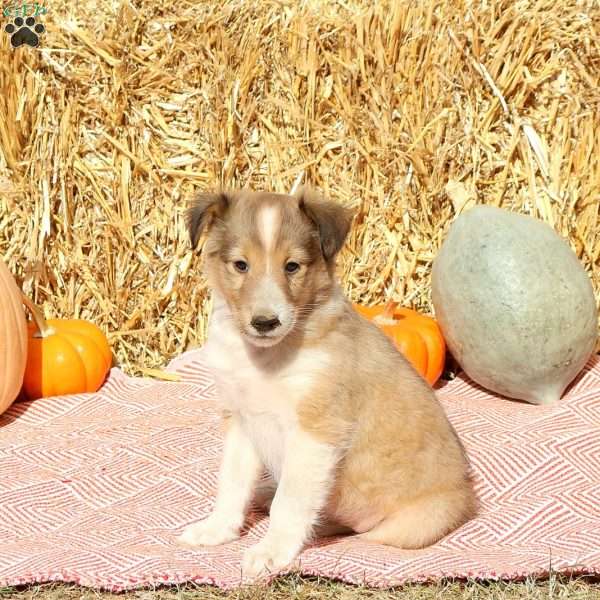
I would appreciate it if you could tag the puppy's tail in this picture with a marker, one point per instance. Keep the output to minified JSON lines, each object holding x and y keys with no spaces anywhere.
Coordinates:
{"x":424,"y":521}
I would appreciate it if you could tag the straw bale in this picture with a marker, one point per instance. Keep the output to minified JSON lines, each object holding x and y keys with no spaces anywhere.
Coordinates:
{"x":409,"y":111}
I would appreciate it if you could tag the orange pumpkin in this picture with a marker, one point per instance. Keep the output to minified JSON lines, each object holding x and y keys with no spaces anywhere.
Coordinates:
{"x":13,"y":339}
{"x":418,"y":337}
{"x":65,"y":356}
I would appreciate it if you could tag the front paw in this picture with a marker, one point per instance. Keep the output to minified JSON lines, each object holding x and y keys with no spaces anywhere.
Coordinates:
{"x":266,"y":558}
{"x":212,"y":531}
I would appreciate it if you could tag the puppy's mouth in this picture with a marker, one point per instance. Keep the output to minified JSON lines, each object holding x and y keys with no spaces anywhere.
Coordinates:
{"x":262,"y":340}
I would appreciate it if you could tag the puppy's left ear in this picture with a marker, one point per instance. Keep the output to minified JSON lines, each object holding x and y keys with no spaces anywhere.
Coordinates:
{"x":202,"y":212}
{"x":332,"y":220}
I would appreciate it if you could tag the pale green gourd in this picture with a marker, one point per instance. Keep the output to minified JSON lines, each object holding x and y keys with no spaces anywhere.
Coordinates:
{"x":514,"y":303}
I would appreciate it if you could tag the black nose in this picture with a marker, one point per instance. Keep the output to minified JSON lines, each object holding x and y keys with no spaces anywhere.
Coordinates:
{"x":263,"y":323}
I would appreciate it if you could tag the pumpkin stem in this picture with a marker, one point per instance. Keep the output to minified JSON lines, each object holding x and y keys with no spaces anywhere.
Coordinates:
{"x":390,"y":307}
{"x":387,"y":316}
{"x":44,"y":330}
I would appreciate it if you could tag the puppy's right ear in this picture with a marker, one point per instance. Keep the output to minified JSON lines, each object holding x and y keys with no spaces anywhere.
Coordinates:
{"x":204,"y":209}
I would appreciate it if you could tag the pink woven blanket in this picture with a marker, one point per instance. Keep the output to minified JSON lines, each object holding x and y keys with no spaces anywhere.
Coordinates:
{"x":94,"y":488}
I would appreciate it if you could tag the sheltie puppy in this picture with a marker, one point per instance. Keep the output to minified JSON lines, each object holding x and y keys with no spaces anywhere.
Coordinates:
{"x":352,"y":437}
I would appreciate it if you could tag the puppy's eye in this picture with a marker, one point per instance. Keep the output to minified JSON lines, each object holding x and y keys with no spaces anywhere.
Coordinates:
{"x":291,"y":267}
{"x":241,"y":266}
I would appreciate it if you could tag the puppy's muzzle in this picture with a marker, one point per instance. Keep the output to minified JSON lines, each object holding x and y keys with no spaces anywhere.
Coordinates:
{"x":265,"y":323}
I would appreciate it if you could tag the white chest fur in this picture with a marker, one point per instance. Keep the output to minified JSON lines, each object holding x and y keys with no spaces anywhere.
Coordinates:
{"x":267,"y":433}
{"x":265,"y":399}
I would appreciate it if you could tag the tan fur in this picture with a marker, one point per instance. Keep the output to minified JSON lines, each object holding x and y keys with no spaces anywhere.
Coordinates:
{"x":353,"y":437}
{"x":402,"y":455}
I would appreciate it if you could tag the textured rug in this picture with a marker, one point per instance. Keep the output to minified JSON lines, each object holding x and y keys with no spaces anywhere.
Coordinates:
{"x":94,"y":488}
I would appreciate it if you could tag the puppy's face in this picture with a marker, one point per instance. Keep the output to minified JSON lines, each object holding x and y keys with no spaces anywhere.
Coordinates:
{"x":270,"y":256}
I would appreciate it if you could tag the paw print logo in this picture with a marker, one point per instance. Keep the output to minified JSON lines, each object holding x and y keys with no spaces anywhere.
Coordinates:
{"x":24,"y":32}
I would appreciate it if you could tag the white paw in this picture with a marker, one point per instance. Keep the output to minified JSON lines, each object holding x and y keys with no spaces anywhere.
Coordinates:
{"x":210,"y":532}
{"x":266,"y":558}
